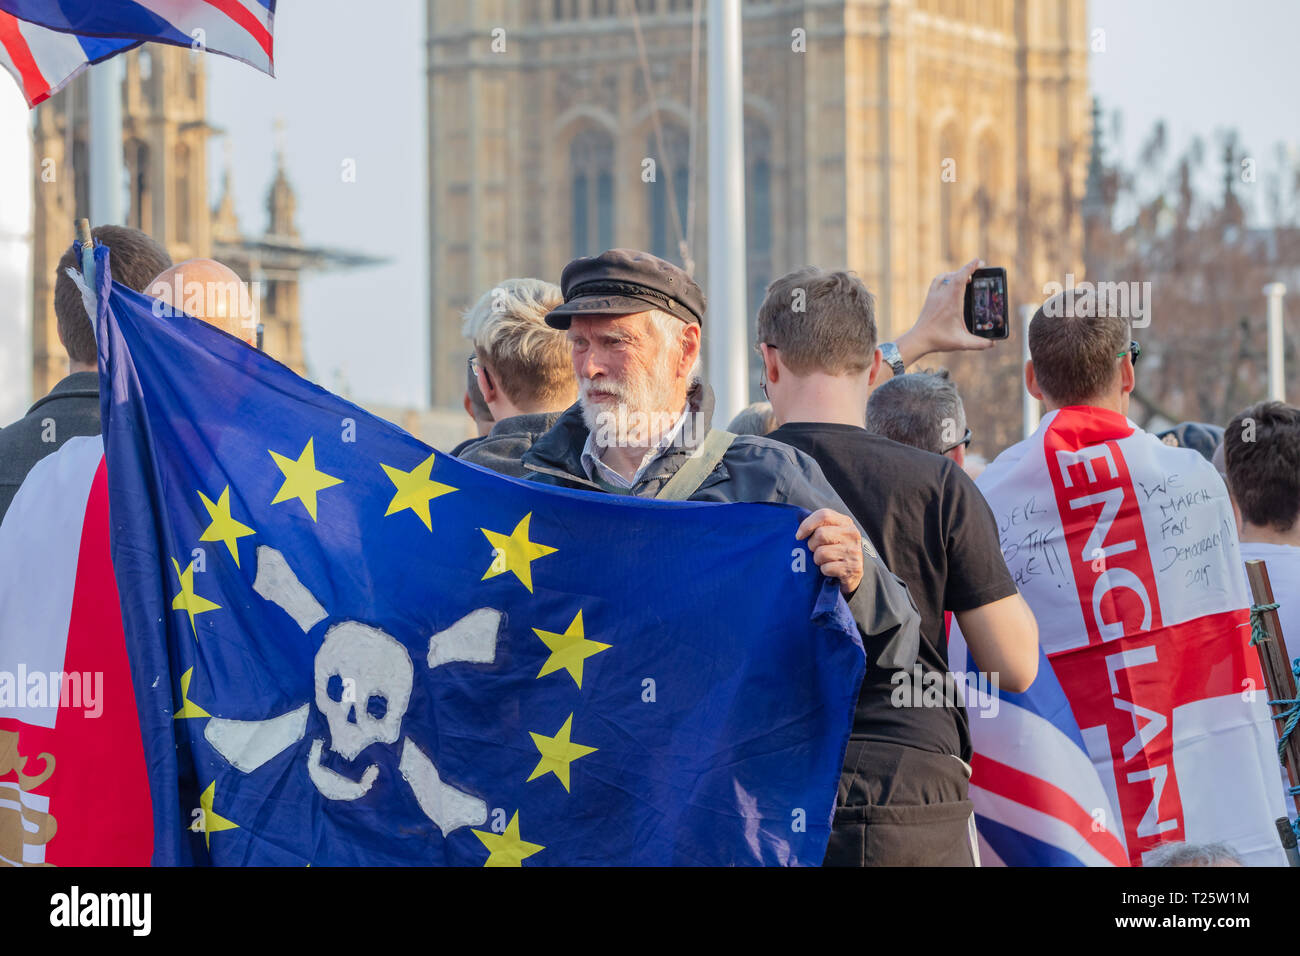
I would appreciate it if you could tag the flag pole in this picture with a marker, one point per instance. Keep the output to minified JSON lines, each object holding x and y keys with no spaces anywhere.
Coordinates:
{"x":87,"y":243}
{"x":727,"y":261}
{"x":1276,"y":374}
{"x":106,"y":166}
{"x":87,"y":253}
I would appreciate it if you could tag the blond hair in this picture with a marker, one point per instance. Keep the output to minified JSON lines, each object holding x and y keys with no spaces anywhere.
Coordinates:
{"x":530,"y":360}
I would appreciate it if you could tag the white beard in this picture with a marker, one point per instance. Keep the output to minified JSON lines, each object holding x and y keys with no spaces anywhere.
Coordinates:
{"x":641,"y":416}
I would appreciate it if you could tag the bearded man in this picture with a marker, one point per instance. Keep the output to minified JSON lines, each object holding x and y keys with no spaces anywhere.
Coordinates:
{"x":641,"y":427}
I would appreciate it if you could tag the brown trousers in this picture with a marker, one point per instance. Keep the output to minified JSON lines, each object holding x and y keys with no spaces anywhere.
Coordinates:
{"x":901,"y":807}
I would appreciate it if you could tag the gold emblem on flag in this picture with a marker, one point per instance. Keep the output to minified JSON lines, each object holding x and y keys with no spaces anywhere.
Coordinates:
{"x":22,"y":826}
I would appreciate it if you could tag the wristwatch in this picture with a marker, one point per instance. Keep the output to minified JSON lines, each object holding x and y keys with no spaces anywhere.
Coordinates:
{"x":889,"y":352}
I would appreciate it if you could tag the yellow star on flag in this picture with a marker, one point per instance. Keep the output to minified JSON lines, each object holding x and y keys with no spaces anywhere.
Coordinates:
{"x":514,"y":552}
{"x":187,"y":601}
{"x":188,"y":707}
{"x":212,"y":822}
{"x":568,"y":650}
{"x":302,"y":480}
{"x":557,"y":753}
{"x":507,"y":849}
{"x":224,"y":528}
{"x":414,"y":489}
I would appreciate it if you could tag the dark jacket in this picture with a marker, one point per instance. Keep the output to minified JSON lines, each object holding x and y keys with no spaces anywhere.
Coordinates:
{"x":503,"y":448}
{"x":754,"y":470}
{"x":70,"y":409}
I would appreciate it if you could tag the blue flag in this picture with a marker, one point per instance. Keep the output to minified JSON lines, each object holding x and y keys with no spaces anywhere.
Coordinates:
{"x":348,"y":648}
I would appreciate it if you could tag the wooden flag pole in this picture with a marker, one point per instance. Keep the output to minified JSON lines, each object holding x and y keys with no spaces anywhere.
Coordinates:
{"x":1276,"y":663}
{"x":87,"y":252}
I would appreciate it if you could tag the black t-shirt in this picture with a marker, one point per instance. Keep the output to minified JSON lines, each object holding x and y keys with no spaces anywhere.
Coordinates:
{"x":934,"y":530}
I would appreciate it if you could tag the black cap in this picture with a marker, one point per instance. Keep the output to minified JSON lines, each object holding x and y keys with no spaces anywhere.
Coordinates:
{"x":623,"y":282}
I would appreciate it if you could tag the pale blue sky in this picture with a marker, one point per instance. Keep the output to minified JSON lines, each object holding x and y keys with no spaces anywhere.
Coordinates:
{"x":352,"y":87}
{"x":1203,"y":66}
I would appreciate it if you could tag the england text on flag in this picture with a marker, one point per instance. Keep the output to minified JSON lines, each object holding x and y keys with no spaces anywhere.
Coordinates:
{"x":1126,"y":550}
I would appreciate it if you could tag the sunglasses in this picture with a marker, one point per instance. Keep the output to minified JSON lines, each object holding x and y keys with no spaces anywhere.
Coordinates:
{"x":964,"y":441}
{"x":1133,"y":349}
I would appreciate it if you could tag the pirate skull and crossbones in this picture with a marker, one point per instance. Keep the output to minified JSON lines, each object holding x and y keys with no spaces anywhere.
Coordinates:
{"x":363,"y":679}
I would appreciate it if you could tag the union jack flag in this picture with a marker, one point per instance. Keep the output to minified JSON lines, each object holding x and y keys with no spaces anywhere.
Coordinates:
{"x":45,"y":43}
{"x":1039,"y":801}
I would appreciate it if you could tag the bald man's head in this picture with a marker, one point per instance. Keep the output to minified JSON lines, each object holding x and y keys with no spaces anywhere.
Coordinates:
{"x":208,"y":290}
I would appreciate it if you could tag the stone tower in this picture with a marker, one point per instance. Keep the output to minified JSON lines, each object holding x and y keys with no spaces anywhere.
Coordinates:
{"x":164,"y":141}
{"x":165,"y":137}
{"x":892,"y":137}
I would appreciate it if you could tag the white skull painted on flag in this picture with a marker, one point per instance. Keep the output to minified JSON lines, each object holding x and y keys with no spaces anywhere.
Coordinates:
{"x":363,"y":679}
{"x":371,"y":674}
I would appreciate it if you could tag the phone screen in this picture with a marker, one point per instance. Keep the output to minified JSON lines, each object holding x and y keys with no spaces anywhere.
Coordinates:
{"x":986,"y":314}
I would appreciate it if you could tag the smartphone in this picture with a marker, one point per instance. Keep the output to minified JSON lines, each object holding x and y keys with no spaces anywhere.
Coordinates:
{"x":986,"y":303}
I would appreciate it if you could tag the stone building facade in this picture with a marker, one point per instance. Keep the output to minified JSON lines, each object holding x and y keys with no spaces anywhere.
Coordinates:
{"x":896,"y":138}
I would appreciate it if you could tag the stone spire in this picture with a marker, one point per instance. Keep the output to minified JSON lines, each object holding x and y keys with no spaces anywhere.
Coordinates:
{"x":1094,"y":197}
{"x":281,"y":202}
{"x":225,"y":221}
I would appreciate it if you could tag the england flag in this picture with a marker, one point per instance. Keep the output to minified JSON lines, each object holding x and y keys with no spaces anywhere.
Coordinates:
{"x":1126,"y":550}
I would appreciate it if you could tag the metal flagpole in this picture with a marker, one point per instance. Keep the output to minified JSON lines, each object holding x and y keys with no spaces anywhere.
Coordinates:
{"x":726,"y":319}
{"x":1029,"y":418}
{"x":1276,"y":375}
{"x":106,"y":166}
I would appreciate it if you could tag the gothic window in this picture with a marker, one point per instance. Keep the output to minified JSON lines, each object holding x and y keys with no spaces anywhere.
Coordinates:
{"x":591,"y":162}
{"x":184,"y":212}
{"x":667,"y":229}
{"x":137,"y":160}
{"x":81,"y":176}
{"x":949,"y":176}
{"x":987,"y":195}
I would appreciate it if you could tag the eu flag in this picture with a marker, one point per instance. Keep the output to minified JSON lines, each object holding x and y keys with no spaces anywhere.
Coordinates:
{"x":348,"y":648}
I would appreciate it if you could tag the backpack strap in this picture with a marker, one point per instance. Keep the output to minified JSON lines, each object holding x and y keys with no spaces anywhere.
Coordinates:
{"x":691,"y":475}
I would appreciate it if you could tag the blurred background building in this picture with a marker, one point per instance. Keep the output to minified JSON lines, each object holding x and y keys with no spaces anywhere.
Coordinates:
{"x":165,"y":144}
{"x":897,"y":139}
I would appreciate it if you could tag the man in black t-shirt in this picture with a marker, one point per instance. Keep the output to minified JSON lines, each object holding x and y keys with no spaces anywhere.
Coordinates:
{"x":903,"y":793}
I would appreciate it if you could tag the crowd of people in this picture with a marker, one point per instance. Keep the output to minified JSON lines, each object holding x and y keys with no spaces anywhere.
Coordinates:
{"x":594,"y":384}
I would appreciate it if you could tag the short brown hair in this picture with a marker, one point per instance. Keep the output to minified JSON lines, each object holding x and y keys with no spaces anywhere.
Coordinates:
{"x":1261,"y":449}
{"x":135,"y":260}
{"x":1074,"y":355}
{"x":819,"y":321}
{"x":532,"y":362}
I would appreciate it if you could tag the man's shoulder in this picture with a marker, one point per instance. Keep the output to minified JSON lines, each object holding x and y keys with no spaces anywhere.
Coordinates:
{"x":1160,"y":463}
{"x":51,"y":422}
{"x":502,"y":453}
{"x":759,"y":448}
{"x":21,"y":445}
{"x":854,"y":447}
{"x":1268,"y":550}
{"x":466,"y":445}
